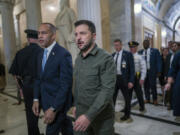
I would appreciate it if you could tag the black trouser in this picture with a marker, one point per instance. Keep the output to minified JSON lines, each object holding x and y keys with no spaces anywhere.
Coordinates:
{"x":168,"y":96}
{"x":150,"y":84}
{"x":32,"y":120}
{"x":138,"y":90}
{"x":123,"y":85}
{"x":61,"y":124}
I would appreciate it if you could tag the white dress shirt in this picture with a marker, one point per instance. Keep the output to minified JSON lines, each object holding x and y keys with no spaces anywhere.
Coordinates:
{"x":140,"y":65}
{"x":172,"y":57}
{"x":49,"y":49}
{"x":148,"y":57}
{"x":118,"y":67}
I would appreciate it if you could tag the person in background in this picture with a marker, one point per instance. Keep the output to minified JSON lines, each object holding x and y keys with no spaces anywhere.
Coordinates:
{"x":174,"y":77}
{"x":154,"y":67}
{"x":162,"y":78}
{"x":23,"y":68}
{"x":167,"y":67}
{"x":140,"y":74}
{"x":125,"y":76}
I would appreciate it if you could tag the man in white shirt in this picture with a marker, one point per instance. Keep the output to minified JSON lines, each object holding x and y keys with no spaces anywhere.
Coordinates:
{"x":125,"y":76}
{"x":140,"y":73}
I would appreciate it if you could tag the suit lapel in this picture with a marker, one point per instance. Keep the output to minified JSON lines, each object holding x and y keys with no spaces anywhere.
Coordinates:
{"x":40,"y":62}
{"x":122,"y":59}
{"x":51,"y":57}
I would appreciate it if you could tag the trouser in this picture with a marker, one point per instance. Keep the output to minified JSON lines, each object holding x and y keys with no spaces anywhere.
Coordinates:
{"x":103,"y":124}
{"x":61,"y":124}
{"x":138,"y":90}
{"x":150,"y":84}
{"x":32,"y":120}
{"x":168,"y":96}
{"x":122,"y":84}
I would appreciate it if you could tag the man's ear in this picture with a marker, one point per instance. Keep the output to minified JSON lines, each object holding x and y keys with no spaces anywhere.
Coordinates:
{"x":94,"y":36}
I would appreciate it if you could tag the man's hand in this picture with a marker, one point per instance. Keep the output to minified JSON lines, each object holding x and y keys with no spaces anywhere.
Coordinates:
{"x":130,"y":85}
{"x":35,"y":108}
{"x":141,"y":82}
{"x":167,"y":86}
{"x":82,"y":123}
{"x":49,"y":116}
{"x":74,"y":112}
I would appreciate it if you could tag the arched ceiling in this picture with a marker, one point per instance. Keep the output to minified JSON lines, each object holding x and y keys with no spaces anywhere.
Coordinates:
{"x":169,"y":12}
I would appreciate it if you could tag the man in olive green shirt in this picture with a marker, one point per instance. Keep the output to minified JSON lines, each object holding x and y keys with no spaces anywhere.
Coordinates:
{"x":95,"y":77}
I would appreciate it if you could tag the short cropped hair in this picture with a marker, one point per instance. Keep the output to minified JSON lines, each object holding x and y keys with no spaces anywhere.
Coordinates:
{"x":51,"y":27}
{"x":118,"y":40}
{"x":90,"y":24}
{"x":146,"y":41}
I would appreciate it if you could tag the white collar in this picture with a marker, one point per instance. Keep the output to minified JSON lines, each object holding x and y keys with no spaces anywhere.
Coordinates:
{"x":49,"y":48}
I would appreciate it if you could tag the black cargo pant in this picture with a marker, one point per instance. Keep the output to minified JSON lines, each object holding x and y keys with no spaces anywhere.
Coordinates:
{"x":138,"y":90}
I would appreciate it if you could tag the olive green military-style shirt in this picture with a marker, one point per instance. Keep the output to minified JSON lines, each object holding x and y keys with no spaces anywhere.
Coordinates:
{"x":95,"y":77}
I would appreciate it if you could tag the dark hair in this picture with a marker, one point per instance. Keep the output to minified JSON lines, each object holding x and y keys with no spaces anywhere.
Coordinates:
{"x":118,"y":40}
{"x":51,"y":26}
{"x":90,"y":24}
{"x":146,"y":41}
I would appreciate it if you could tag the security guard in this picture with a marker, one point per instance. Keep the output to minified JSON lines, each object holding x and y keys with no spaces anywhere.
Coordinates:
{"x":140,"y":73}
{"x":24,"y":69}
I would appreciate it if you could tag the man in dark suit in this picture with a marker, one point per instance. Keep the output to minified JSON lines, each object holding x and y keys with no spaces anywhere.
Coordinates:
{"x":23,"y":68}
{"x":153,"y":64}
{"x":53,"y":84}
{"x":167,"y":66}
{"x":125,"y":75}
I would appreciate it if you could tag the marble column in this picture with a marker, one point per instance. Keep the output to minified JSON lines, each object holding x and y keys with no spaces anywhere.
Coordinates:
{"x":105,"y":22}
{"x":6,"y":9}
{"x":91,"y":10}
{"x":17,"y":31}
{"x":33,"y":13}
{"x":120,"y":21}
{"x":137,"y":22}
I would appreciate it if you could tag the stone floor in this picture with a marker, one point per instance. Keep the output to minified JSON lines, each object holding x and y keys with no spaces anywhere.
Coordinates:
{"x":12,"y":119}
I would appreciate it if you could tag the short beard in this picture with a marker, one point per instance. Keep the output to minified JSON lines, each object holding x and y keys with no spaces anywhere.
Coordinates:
{"x":86,"y":47}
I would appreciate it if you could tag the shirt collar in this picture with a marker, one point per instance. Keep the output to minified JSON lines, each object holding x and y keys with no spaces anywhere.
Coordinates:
{"x":49,"y":48}
{"x":92,"y":52}
{"x":119,"y":51}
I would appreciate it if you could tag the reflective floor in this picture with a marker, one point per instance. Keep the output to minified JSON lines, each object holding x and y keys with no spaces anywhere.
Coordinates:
{"x":12,"y":119}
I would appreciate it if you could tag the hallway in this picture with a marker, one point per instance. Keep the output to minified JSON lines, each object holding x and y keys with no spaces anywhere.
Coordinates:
{"x":14,"y":123}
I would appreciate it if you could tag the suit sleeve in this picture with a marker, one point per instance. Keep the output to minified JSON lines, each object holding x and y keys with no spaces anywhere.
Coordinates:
{"x":131,"y":68}
{"x":159,"y":62}
{"x":36,"y":77}
{"x":175,"y":66}
{"x":65,"y":82}
{"x":108,"y":79}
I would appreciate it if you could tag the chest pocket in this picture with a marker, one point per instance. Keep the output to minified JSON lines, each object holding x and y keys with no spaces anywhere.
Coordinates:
{"x":91,"y":78}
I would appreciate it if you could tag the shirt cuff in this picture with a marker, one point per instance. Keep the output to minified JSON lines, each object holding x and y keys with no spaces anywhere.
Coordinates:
{"x":35,"y":99}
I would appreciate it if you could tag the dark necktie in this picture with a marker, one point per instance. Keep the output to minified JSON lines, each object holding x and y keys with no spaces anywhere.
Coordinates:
{"x":117,"y":58}
{"x":146,"y":56}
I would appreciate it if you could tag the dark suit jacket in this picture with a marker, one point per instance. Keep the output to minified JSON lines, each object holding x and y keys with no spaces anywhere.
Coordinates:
{"x":128,"y":71}
{"x":54,"y":85}
{"x":167,"y":64}
{"x":155,"y":62}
